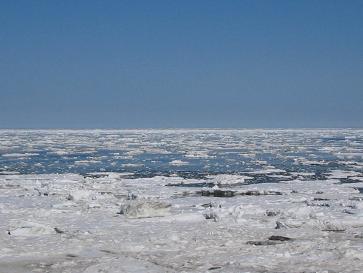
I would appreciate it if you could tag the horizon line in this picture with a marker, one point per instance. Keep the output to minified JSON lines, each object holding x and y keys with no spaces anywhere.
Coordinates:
{"x":181,"y":128}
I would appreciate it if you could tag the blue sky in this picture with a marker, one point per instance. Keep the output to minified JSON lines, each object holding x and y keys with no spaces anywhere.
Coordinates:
{"x":132,"y":64}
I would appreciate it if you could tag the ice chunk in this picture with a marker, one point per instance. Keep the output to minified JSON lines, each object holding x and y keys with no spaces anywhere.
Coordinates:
{"x":31,"y":229}
{"x":144,"y":208}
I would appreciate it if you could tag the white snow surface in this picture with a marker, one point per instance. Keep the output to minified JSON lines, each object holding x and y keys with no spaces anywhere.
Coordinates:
{"x":68,"y":223}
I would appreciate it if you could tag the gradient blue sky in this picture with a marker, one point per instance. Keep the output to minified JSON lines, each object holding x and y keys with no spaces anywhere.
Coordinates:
{"x":187,"y":63}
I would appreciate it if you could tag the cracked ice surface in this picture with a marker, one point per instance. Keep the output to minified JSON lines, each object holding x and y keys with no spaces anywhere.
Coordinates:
{"x":298,"y":185}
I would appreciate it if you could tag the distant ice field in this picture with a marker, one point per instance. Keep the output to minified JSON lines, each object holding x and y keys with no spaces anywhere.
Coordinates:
{"x":186,"y":153}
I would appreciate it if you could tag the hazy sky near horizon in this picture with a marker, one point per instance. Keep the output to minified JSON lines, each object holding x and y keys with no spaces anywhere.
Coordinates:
{"x":132,"y":64}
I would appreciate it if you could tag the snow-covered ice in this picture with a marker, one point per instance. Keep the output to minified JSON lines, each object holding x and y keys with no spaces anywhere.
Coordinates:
{"x":278,"y":211}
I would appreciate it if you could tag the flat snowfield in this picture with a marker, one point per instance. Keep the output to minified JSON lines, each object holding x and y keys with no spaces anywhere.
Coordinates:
{"x":181,"y":201}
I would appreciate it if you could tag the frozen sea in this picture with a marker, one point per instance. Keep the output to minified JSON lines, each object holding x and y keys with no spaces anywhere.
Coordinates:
{"x":181,"y":200}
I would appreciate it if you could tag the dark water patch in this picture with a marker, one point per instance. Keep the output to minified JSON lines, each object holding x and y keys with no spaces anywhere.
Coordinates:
{"x":356,"y":198}
{"x":264,"y":178}
{"x":348,"y":212}
{"x":96,"y":175}
{"x":349,"y":180}
{"x":263,"y":243}
{"x":320,"y":199}
{"x":217,"y":193}
{"x":279,"y":238}
{"x":214,"y":268}
{"x":317,"y":204}
{"x":231,"y":193}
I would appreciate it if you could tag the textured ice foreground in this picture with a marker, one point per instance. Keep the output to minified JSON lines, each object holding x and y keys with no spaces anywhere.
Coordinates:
{"x":68,"y":223}
{"x":272,"y":215}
